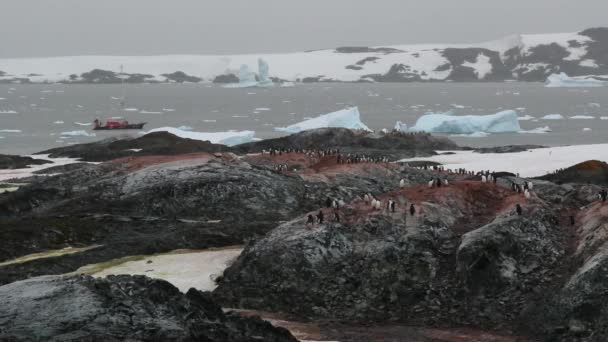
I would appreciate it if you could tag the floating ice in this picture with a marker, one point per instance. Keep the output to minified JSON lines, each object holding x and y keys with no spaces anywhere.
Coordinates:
{"x":265,"y":80}
{"x":8,"y":112}
{"x":168,"y":110}
{"x":247,"y":77}
{"x":594,"y":105}
{"x":400,"y":127}
{"x":10,"y":131}
{"x":345,"y":118}
{"x":262,"y":109}
{"x":582,"y":117}
{"x":505,"y":121}
{"x":209,"y":120}
{"x":525,"y":118}
{"x":230,"y":138}
{"x":130,"y":109}
{"x":82,"y":123}
{"x":149,"y":112}
{"x":563,"y":80}
{"x":586,"y":129}
{"x":59,"y":122}
{"x":79,"y":133}
{"x":538,"y":130}
{"x":472,"y":135}
{"x":553,"y":117}
{"x":2,"y":98}
{"x":603,"y":117}
{"x":185,"y":128}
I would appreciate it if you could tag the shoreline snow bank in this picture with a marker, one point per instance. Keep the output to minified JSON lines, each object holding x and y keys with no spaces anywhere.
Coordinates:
{"x":229,"y":138}
{"x":346,"y":118}
{"x":531,"y":163}
{"x":29,"y":171}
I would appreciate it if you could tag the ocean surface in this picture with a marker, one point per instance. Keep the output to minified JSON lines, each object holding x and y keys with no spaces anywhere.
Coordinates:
{"x":38,"y":117}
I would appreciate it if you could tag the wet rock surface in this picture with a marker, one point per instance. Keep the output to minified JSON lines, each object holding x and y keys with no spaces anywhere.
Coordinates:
{"x":119,"y":308}
{"x":18,"y":162}
{"x":465,"y":258}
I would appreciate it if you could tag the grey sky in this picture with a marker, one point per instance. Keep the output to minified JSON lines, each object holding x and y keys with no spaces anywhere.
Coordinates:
{"x":30,"y":28}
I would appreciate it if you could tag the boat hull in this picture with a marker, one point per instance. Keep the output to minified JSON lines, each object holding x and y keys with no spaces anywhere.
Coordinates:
{"x":129,"y":126}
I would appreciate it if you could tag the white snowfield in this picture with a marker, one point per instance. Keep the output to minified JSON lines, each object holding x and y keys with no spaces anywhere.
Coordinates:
{"x":505,"y":121}
{"x":346,"y":118}
{"x":229,"y":138}
{"x":184,"y":269}
{"x":562,"y":80}
{"x":532,"y":163}
{"x":425,"y":60}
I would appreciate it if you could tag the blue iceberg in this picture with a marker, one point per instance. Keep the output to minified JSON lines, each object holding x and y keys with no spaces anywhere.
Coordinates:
{"x":502,"y":122}
{"x":345,"y":118}
{"x":247,"y":78}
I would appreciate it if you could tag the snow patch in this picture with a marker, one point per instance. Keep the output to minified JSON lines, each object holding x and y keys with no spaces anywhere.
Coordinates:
{"x":482,"y":66}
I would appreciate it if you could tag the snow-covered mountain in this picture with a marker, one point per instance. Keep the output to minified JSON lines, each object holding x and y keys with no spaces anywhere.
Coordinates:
{"x":519,"y":57}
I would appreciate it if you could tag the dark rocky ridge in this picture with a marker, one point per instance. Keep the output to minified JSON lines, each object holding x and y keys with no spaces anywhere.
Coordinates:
{"x":121,"y":308}
{"x":467,"y":259}
{"x":591,"y":172}
{"x":19,"y":162}
{"x":157,"y":143}
{"x":394,"y":144}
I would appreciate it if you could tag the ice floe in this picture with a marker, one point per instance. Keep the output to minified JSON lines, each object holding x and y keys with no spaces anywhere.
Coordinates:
{"x":345,"y":118}
{"x":582,"y":117}
{"x":10,"y":131}
{"x":538,"y":130}
{"x":553,"y":117}
{"x":526,"y":118}
{"x":78,"y":133}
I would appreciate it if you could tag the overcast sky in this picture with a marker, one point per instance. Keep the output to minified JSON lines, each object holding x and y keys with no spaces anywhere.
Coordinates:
{"x":31,"y":28}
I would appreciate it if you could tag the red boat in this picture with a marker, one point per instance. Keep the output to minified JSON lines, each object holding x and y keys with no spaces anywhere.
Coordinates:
{"x":116,"y":124}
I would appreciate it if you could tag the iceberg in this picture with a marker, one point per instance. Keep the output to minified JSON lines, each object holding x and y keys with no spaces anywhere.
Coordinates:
{"x":502,"y":122}
{"x":229,"y":138}
{"x":265,"y":81}
{"x":563,"y":80}
{"x":247,"y":78}
{"x":400,"y":127}
{"x":345,"y":118}
{"x":553,"y":117}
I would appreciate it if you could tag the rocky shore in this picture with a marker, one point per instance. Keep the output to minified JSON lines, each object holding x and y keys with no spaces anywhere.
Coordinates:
{"x":462,"y":258}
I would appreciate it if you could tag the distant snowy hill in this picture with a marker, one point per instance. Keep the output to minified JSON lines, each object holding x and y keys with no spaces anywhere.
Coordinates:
{"x":519,"y":57}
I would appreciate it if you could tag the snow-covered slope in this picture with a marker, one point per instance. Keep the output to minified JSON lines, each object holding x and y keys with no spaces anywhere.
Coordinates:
{"x":521,"y":57}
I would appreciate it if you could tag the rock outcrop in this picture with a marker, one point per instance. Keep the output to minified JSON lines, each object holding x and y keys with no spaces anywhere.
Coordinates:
{"x":19,"y":162}
{"x":591,"y":172}
{"x":120,"y":308}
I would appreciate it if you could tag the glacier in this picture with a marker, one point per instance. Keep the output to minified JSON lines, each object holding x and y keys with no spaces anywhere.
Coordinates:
{"x":229,"y":138}
{"x":502,"y":122}
{"x":345,"y":118}
{"x":562,"y":80}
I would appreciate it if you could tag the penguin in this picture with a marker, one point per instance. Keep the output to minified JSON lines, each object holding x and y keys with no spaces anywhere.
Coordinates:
{"x":393,"y":204}
{"x":366,"y":198}
{"x":483,"y":179}
{"x":336,"y":216}
{"x":310,"y":220}
{"x":412,"y":209}
{"x":320,"y":217}
{"x":445,"y":182}
{"x":431,"y":183}
{"x":438,"y":182}
{"x":526,"y":193}
{"x":518,"y":209}
{"x":328,"y":202}
{"x":334,"y":204}
{"x":572,"y":220}
{"x":402,"y":183}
